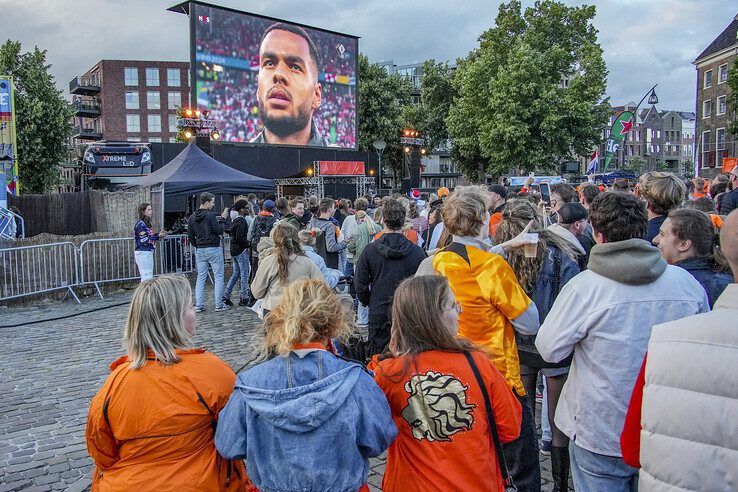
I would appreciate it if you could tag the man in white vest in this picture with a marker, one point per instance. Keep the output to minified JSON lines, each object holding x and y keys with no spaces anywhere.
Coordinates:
{"x":681,"y":423}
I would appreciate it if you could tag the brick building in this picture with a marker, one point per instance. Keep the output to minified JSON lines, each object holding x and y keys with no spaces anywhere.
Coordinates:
{"x":713,"y":118}
{"x":119,"y":100}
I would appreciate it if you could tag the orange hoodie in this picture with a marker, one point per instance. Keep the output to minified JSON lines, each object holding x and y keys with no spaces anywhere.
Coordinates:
{"x":153,"y":428}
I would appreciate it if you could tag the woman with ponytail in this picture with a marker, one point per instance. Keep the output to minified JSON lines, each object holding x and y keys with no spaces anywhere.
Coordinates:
{"x":283,"y":264}
{"x":688,"y":239}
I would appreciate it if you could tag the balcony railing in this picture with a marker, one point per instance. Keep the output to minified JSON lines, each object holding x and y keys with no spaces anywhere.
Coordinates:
{"x":86,"y":133}
{"x":86,"y":108}
{"x":81,"y":86}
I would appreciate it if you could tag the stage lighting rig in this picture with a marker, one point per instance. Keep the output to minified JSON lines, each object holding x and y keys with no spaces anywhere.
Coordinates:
{"x":193,"y":121}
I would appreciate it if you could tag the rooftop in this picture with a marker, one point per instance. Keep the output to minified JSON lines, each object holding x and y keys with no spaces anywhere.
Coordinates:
{"x":726,"y":39}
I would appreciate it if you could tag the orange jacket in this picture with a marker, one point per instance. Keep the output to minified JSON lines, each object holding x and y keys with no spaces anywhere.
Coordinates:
{"x":494,"y":223}
{"x":443,"y":440}
{"x":153,"y":428}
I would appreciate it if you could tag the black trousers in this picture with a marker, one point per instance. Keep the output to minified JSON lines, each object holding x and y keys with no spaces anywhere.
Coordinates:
{"x":379,"y":335}
{"x":522,"y":453}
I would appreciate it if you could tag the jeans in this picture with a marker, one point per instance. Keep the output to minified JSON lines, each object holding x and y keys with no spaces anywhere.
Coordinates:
{"x":521,"y":454}
{"x":145,"y":264}
{"x":593,"y":472}
{"x":241,"y":270}
{"x":545,"y":425}
{"x":213,"y":258}
{"x":342,"y":260}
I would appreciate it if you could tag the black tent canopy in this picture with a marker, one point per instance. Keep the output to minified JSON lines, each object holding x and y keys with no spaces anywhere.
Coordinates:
{"x":193,"y":172}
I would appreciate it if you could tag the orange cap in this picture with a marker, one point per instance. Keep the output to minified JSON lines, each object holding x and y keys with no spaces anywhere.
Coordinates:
{"x":442,"y":191}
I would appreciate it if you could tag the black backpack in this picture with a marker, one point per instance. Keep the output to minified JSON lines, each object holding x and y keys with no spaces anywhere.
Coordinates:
{"x":262,"y":227}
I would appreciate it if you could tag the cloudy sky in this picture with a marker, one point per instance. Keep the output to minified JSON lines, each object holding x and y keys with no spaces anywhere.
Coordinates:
{"x":645,"y":41}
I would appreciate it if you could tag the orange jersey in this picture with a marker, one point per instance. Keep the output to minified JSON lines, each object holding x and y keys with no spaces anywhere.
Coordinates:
{"x":490,"y":297}
{"x":443,"y":440}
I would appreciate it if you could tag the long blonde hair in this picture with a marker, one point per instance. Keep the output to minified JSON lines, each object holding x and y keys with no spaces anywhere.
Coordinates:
{"x":309,"y":311}
{"x":156,"y":320}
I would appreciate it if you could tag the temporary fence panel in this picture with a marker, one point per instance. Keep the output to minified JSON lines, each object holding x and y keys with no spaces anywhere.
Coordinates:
{"x":29,"y":270}
{"x":107,"y":260}
{"x":175,"y":255}
{"x":112,"y":260}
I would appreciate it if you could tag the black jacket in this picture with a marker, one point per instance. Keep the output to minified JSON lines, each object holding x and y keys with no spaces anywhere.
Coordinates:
{"x":729,"y":202}
{"x":383,"y":264}
{"x":239,"y":231}
{"x":204,"y":229}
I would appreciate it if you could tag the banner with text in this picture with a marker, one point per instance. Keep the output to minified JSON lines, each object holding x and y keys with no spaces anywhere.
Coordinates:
{"x":620,"y":128}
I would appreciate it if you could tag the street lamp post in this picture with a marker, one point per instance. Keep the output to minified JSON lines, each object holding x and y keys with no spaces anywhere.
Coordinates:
{"x":380,"y":145}
{"x":653,"y":99}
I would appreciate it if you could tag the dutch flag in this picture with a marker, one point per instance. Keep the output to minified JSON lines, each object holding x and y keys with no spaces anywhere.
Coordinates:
{"x":594,"y":163}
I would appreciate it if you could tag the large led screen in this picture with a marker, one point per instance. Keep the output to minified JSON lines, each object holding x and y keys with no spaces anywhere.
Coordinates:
{"x":266,"y":81}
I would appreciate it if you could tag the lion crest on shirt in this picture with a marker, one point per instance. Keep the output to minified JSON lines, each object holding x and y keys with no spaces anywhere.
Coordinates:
{"x":437,"y":407}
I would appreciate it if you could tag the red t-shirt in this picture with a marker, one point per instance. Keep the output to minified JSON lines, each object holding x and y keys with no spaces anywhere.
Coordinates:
{"x":443,"y":440}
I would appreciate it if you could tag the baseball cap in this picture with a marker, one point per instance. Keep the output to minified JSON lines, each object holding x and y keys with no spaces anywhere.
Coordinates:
{"x":572,"y":212}
{"x":499,"y":189}
{"x":268,"y":205}
{"x":442,"y":191}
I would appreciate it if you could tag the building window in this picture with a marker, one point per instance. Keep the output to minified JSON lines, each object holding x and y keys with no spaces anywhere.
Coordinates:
{"x":708,"y":80}
{"x":705,"y":160}
{"x":130,"y":75}
{"x":133,"y":139}
{"x":172,"y":123}
{"x":152,"y":77}
{"x":154,"y":123}
{"x":173,"y":79}
{"x":133,"y":123}
{"x":132,"y":100}
{"x":722,"y":107}
{"x":155,"y":139}
{"x":706,"y":109}
{"x":153,"y":100}
{"x":174,"y":100}
{"x":723,"y":73}
{"x":720,"y":138}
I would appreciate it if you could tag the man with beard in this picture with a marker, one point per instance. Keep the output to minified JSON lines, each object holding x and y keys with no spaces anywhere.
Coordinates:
{"x":288,"y":89}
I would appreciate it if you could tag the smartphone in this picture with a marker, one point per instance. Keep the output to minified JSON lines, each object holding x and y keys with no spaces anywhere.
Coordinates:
{"x":546,"y":193}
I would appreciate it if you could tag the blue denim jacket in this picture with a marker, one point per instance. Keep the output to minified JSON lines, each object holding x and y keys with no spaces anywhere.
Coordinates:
{"x":713,"y":282}
{"x":306,"y":423}
{"x":543,"y":294}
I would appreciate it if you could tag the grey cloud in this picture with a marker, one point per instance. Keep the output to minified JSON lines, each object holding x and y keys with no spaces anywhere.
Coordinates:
{"x":644,"y":41}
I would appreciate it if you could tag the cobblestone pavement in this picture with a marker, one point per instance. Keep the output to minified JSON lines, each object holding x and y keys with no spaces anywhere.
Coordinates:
{"x":50,"y":370}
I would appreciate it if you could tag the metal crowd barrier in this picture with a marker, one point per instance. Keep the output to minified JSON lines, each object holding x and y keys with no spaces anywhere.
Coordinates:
{"x":112,"y":260}
{"x":29,"y":270}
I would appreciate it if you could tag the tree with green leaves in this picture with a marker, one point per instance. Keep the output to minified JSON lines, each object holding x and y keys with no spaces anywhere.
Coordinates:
{"x":436,"y":94}
{"x":532,"y":95}
{"x":733,"y":97}
{"x":382,"y":114}
{"x":42,"y":117}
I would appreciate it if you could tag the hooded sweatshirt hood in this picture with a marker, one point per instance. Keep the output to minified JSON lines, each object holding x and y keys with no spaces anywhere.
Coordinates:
{"x":394,"y":246}
{"x":304,"y":408}
{"x":630,"y":262}
{"x":200,"y":215}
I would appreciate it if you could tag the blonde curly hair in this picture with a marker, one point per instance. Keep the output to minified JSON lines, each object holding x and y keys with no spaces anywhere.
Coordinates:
{"x":308,"y":312}
{"x":465,"y":210}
